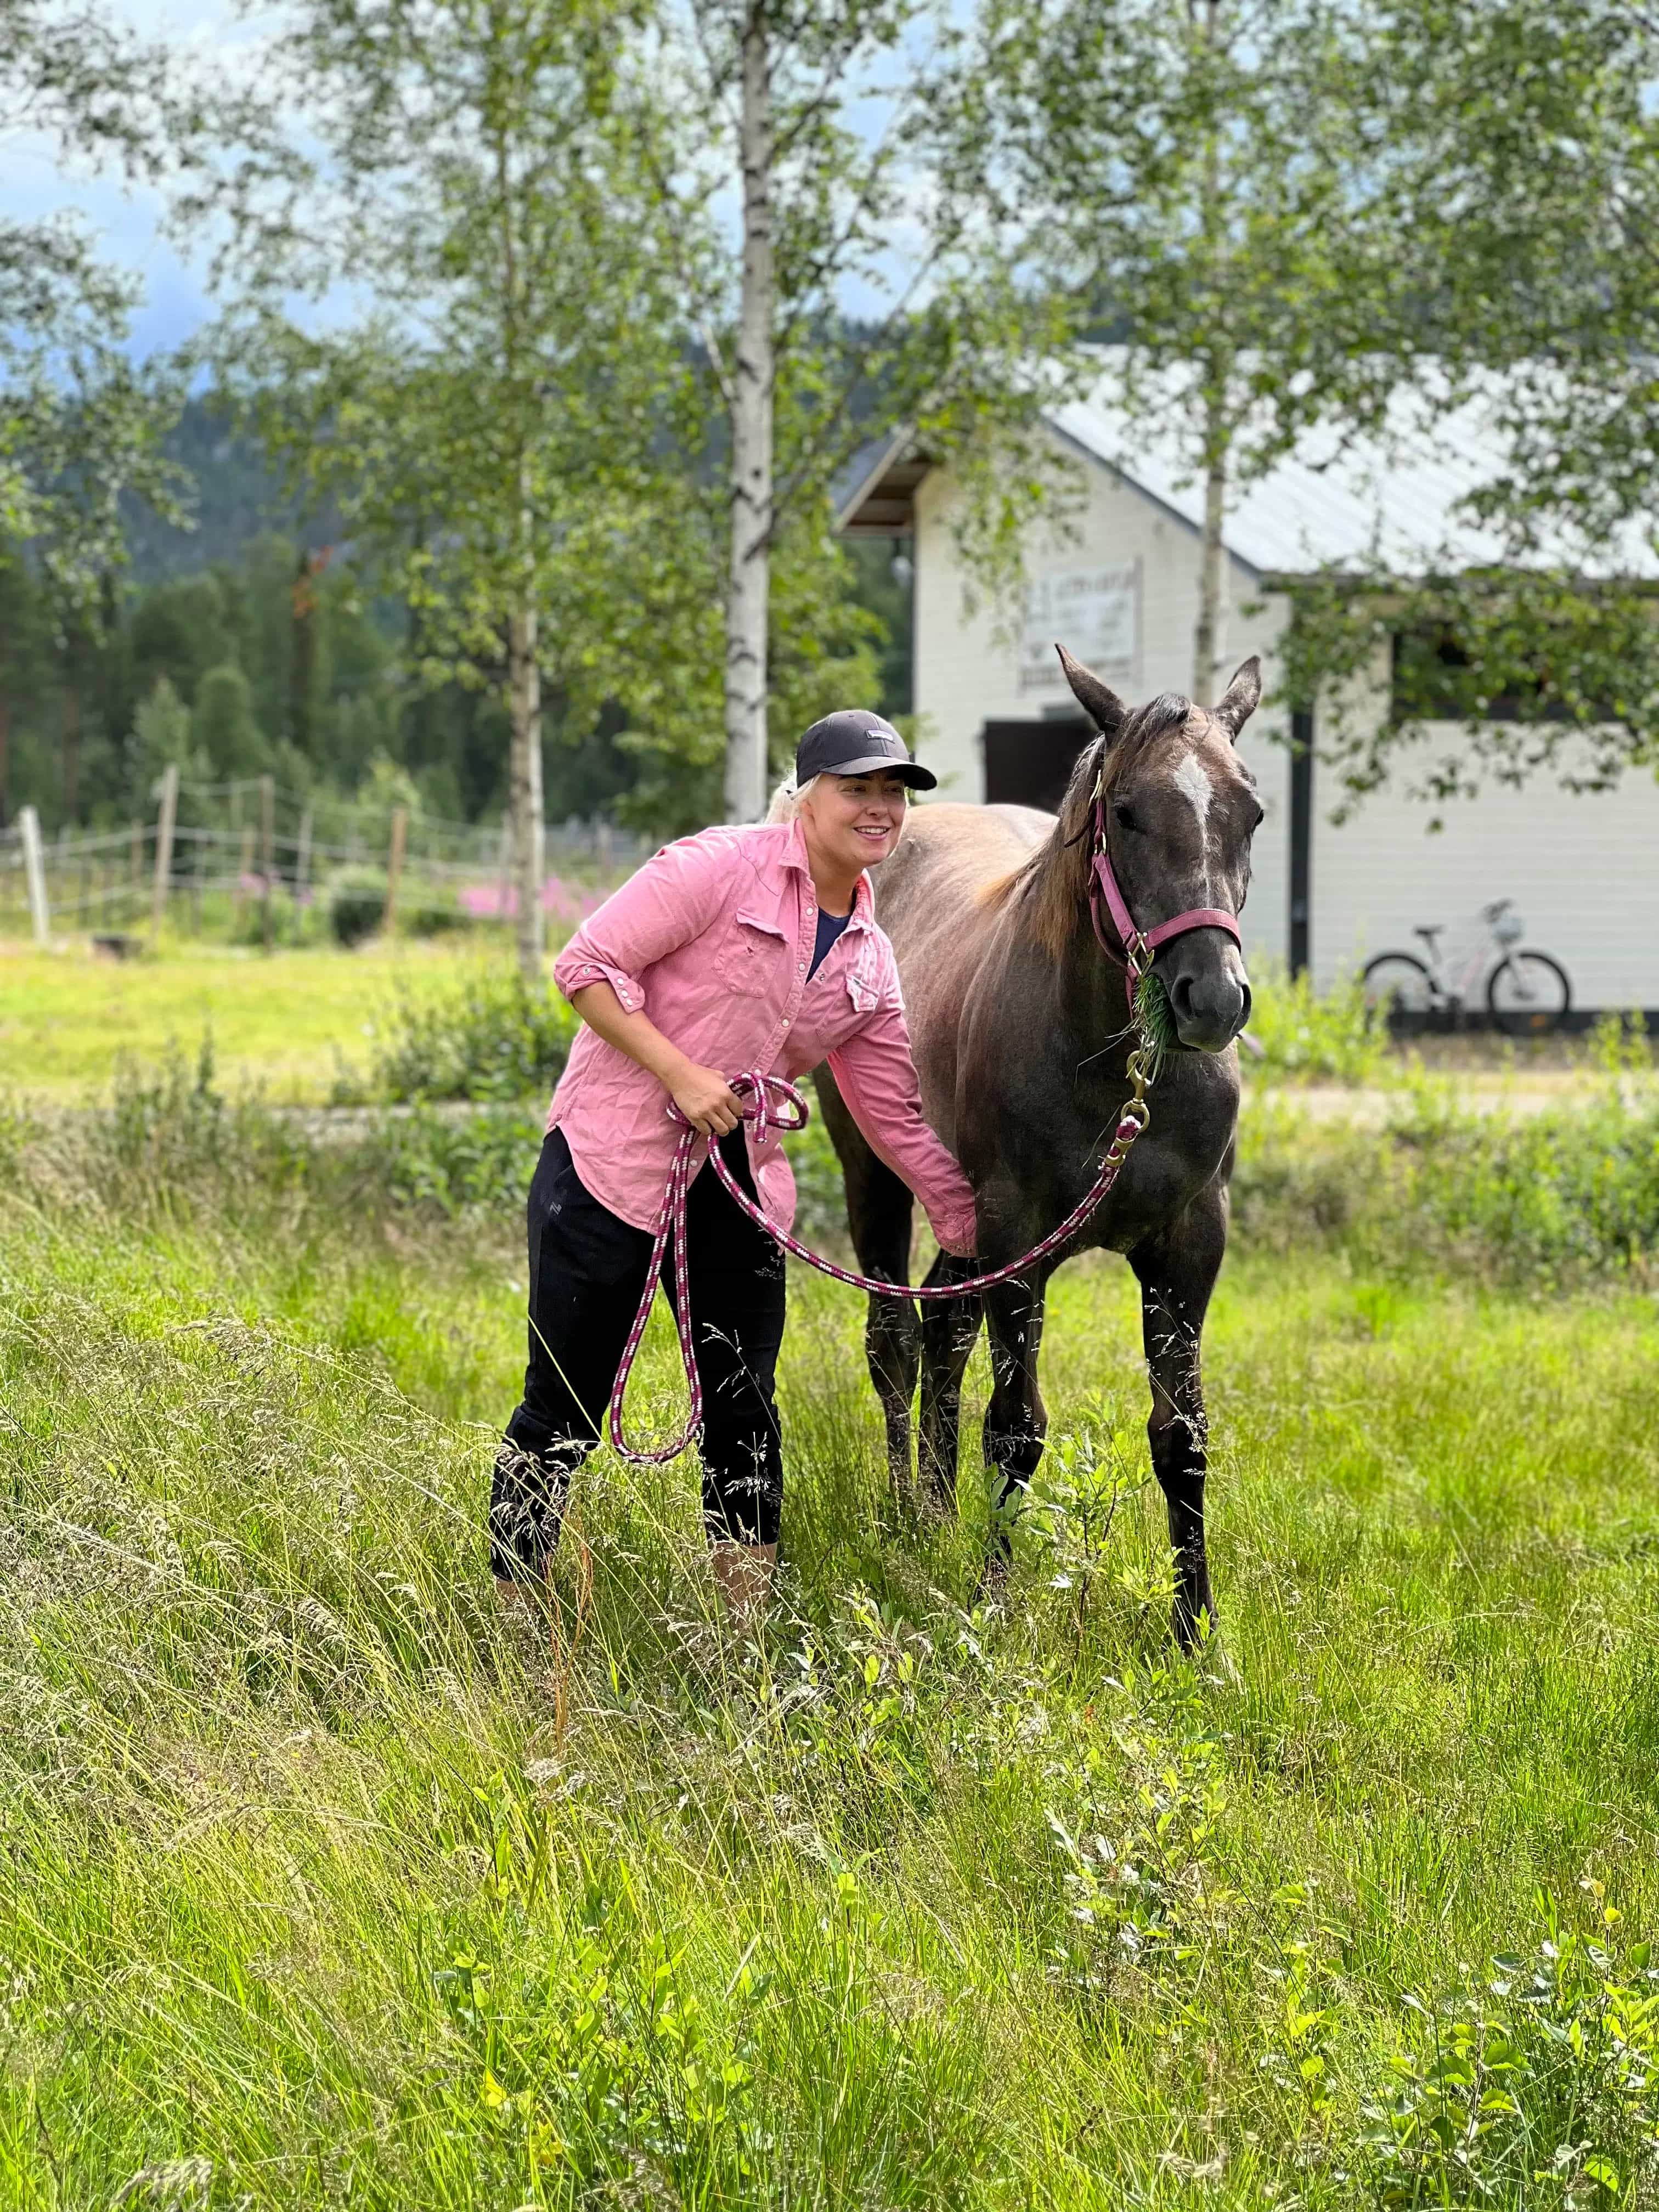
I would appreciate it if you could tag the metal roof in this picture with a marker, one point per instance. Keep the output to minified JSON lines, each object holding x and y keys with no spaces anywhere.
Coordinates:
{"x":1392,"y":501}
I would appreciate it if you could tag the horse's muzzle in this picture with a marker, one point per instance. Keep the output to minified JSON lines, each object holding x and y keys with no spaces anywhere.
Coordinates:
{"x":1211,"y":1002}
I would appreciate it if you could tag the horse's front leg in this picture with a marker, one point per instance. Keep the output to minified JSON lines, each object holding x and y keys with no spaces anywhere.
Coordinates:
{"x":1016,"y":1420}
{"x":1176,"y":1270}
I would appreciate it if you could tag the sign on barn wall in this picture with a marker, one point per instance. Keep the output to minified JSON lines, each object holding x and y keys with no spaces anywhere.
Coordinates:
{"x":1095,"y":613}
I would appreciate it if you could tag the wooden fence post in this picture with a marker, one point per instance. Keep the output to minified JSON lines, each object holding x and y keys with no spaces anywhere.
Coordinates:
{"x":35,"y":872}
{"x":244,"y":870}
{"x":302,"y":861}
{"x":267,"y":855}
{"x":394,"y":865}
{"x":164,"y":829}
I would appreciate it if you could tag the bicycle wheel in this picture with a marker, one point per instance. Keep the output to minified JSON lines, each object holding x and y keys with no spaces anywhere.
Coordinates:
{"x":1398,"y":992}
{"x":1528,"y":994}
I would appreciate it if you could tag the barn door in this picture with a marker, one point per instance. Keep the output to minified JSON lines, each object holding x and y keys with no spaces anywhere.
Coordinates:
{"x":1029,"y":764}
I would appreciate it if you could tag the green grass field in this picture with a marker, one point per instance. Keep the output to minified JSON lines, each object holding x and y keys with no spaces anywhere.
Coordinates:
{"x":282,"y":1022}
{"x":324,"y":1884}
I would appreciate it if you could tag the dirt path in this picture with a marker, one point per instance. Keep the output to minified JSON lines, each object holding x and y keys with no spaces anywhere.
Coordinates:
{"x":1537,"y":1091}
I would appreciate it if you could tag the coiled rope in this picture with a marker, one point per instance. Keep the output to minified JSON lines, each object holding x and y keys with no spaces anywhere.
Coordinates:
{"x":759,"y":1091}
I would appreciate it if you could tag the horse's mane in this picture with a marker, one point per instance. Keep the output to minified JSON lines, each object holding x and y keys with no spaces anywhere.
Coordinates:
{"x":1051,"y":890}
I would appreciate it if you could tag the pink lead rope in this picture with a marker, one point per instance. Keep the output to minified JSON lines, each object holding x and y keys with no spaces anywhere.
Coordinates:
{"x":794,"y":1115}
{"x":1138,"y":947}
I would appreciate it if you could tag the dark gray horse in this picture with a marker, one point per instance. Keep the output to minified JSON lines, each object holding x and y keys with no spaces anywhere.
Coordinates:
{"x":1020,"y":1025}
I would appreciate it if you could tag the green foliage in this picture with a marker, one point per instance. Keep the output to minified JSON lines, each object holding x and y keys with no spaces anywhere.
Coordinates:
{"x":449,"y":1165}
{"x":222,"y":726}
{"x":1551,"y":1194}
{"x":1539,"y":2086}
{"x":1545,"y":658}
{"x":356,"y":904}
{"x":484,"y":1034}
{"x":163,"y":734}
{"x":1210,"y":184}
{"x":1536,"y":1200}
{"x":828,"y":119}
{"x":1535,"y":669}
{"x":1306,"y":1033}
{"x":79,"y":421}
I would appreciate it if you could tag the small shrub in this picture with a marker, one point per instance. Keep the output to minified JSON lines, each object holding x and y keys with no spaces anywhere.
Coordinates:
{"x":356,"y":904}
{"x":291,"y":923}
{"x":432,"y":911}
{"x":1539,"y":2087}
{"x":1306,"y":1034}
{"x":1547,"y":1196}
{"x":485,"y":1035}
{"x":481,"y":1161}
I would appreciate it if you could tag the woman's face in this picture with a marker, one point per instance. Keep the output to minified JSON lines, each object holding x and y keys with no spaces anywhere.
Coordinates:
{"x":854,"y":820}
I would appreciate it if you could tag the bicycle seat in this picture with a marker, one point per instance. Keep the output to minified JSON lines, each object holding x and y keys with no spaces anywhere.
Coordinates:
{"x":1428,"y":931}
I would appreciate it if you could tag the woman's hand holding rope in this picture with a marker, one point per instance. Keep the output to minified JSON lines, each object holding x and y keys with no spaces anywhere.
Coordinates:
{"x":792,"y":1114}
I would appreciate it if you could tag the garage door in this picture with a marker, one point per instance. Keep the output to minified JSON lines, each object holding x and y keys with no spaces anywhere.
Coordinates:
{"x":1031,"y":764}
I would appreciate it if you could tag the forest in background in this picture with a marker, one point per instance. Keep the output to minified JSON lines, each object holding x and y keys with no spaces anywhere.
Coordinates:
{"x":247,"y":641}
{"x":544,"y":336}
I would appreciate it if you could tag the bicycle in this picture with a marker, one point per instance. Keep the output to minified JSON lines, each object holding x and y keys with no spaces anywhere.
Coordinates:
{"x":1527,"y":994}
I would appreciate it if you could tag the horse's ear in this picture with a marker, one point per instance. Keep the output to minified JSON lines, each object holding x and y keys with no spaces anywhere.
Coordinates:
{"x":1101,"y":704}
{"x":1242,"y":697}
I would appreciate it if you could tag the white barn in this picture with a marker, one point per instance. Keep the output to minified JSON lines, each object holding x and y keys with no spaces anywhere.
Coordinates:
{"x":1119,"y":583}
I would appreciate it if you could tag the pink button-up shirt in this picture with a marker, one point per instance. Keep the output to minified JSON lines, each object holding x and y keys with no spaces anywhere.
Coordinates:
{"x":713,"y":938}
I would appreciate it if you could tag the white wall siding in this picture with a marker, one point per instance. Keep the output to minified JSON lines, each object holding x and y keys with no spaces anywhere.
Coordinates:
{"x":1583,"y":870}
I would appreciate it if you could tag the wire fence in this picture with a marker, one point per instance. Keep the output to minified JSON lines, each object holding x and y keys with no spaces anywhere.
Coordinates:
{"x":252,"y":860}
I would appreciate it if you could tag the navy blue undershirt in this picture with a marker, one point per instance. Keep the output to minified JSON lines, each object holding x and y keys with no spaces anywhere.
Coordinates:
{"x":830,"y":927}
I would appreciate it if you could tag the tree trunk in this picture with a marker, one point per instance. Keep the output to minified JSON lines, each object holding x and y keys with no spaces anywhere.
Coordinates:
{"x":752,"y":445}
{"x":1207,"y":641}
{"x":302,"y":654}
{"x":5,"y":764}
{"x":71,"y":750}
{"x":525,"y":700}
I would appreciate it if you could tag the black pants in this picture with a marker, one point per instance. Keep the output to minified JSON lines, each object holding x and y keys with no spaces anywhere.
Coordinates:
{"x":586,"y":1271}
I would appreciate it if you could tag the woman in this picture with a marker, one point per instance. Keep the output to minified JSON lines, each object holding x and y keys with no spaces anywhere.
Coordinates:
{"x":736,"y":949}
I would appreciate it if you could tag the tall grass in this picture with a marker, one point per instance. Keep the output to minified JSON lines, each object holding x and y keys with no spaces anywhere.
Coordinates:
{"x":325,"y":1882}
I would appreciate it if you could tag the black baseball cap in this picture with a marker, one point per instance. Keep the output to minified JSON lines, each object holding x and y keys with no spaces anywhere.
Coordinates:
{"x":855,"y":741}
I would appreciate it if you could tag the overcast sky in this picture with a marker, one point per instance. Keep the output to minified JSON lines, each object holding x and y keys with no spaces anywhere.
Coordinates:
{"x":127,"y":223}
{"x":221,"y":36}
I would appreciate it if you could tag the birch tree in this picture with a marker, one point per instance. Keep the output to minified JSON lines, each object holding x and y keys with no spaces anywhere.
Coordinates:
{"x":818,"y":121}
{"x":1205,"y":181}
{"x":490,"y":423}
{"x":1524,"y":168}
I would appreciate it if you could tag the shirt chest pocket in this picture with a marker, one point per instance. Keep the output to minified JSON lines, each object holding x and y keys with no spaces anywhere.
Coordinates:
{"x":752,"y":957}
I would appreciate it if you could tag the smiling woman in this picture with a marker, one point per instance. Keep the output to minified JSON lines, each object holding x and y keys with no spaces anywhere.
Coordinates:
{"x":750,"y":948}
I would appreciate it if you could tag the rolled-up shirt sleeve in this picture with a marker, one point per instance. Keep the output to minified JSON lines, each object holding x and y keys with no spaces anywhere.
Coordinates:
{"x":876,"y":1077}
{"x":674,"y":897}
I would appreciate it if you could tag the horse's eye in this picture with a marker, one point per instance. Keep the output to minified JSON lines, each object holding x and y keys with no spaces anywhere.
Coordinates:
{"x":1260,"y":817}
{"x":1124,"y":815}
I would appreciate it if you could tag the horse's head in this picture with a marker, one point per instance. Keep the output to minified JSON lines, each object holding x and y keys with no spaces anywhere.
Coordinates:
{"x":1181,"y":810}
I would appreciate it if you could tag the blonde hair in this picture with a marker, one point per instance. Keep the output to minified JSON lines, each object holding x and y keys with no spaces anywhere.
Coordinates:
{"x":787,"y":798}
